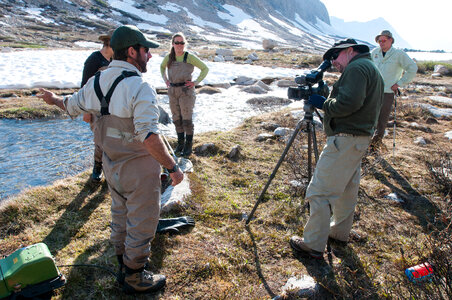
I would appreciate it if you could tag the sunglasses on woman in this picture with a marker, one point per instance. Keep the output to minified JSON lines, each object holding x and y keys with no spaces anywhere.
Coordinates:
{"x":179,"y":43}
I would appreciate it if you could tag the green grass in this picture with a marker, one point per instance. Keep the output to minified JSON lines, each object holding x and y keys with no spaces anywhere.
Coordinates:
{"x":221,"y":258}
{"x":429,"y":66}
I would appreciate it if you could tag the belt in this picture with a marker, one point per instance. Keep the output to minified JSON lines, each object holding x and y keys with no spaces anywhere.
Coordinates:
{"x":344,"y":134}
{"x":177,"y":84}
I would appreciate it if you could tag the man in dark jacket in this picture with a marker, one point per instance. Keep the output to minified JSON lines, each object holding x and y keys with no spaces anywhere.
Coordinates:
{"x":351,"y":113}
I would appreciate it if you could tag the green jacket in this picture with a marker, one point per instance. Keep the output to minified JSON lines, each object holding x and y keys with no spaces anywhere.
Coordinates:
{"x":355,"y":100}
{"x":395,"y":67}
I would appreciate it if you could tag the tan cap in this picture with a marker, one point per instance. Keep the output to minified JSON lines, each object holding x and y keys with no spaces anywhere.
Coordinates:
{"x":385,"y":33}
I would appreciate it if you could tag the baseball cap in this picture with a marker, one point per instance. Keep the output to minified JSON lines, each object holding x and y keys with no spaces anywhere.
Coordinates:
{"x":342,"y":44}
{"x":129,"y":35}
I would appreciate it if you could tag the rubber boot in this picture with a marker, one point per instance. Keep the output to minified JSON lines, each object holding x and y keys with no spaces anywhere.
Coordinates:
{"x":142,"y":281}
{"x":180,"y":142}
{"x":188,"y":145}
{"x":97,"y":171}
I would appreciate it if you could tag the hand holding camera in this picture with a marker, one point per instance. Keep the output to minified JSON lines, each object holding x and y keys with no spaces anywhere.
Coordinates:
{"x":316,"y":100}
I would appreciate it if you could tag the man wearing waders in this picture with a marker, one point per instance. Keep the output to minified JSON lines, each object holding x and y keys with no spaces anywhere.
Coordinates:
{"x":181,"y":90}
{"x":133,"y":151}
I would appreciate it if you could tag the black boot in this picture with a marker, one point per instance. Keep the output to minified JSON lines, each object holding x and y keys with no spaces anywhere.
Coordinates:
{"x":121,"y":270}
{"x":97,"y":171}
{"x":188,"y":145}
{"x":180,"y":142}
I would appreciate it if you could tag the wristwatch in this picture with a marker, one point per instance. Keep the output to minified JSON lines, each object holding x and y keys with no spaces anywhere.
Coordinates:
{"x":174,"y":169}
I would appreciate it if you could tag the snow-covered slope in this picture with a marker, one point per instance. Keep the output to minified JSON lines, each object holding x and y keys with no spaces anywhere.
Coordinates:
{"x":303,"y":24}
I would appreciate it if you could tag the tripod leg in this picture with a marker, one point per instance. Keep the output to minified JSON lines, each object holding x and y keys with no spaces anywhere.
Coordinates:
{"x":281,"y":159}
{"x":308,"y":129}
{"x":314,"y":139}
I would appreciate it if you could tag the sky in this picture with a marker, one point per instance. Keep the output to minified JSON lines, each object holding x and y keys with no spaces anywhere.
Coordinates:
{"x":423,"y":24}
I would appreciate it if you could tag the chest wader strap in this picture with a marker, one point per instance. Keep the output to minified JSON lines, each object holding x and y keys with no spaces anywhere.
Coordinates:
{"x":185,"y":57}
{"x":105,"y":100}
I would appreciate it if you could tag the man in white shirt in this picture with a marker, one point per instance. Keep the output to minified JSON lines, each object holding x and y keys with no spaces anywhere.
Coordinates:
{"x":397,"y":69}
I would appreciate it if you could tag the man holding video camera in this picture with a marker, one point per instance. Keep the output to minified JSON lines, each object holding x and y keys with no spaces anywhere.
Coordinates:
{"x":351,"y":114}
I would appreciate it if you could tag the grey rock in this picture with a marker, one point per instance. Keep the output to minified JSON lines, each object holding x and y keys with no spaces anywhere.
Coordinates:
{"x":244,"y":80}
{"x":207,"y":149}
{"x":235,"y":153}
{"x":224,"y":52}
{"x":286,"y":83}
{"x":254,"y":89}
{"x":218,"y":58}
{"x":208,"y":90}
{"x":263,"y":85}
{"x":269,"y":126}
{"x":264,"y":136}
{"x":268,"y":101}
{"x":441,"y":69}
{"x":420,"y":141}
{"x":164,"y":117}
{"x":282,"y":131}
{"x":269,"y":44}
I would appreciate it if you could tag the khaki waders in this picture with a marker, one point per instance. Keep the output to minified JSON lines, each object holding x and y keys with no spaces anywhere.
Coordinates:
{"x":133,"y":177}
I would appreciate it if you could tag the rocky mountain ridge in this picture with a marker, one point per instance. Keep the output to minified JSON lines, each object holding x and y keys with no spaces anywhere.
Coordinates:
{"x":60,"y":23}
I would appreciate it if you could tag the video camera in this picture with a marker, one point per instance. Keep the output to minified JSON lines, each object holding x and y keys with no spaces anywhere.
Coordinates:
{"x":306,"y":81}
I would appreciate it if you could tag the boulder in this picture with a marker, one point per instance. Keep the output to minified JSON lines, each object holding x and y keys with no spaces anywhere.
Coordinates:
{"x":420,"y":141}
{"x":244,"y":80}
{"x":206,"y":149}
{"x":235,"y":153}
{"x":164,"y":117}
{"x":268,"y":101}
{"x":443,"y":70}
{"x":253,"y":56}
{"x":263,"y":85}
{"x":225,"y":85}
{"x":269,"y":126}
{"x":283,"y":131}
{"x":218,"y":58}
{"x":208,"y":90}
{"x":224,"y":52}
{"x":269,"y":44}
{"x":286,"y":83}
{"x":254,"y":89}
{"x":264,"y":136}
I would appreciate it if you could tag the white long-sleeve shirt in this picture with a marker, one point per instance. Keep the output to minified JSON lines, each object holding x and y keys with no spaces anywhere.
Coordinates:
{"x":132,"y":98}
{"x":395,"y":67}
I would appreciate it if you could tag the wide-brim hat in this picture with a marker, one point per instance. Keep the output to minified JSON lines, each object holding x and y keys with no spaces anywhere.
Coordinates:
{"x":129,"y":35}
{"x":385,"y":33}
{"x":342,"y":44}
{"x":106,"y":36}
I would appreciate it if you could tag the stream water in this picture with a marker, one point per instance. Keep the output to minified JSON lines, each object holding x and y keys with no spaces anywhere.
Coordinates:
{"x":38,"y":152}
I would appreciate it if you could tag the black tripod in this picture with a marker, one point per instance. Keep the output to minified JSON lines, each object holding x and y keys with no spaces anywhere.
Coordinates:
{"x":308,"y":123}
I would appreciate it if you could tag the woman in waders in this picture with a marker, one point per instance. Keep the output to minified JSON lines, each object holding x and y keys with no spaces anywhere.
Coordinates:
{"x":181,"y":90}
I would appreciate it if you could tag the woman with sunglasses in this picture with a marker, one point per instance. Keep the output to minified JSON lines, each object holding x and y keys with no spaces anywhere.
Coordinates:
{"x":181,"y":89}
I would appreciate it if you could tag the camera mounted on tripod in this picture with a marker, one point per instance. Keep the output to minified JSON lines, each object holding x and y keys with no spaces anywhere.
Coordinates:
{"x":305,"y":83}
